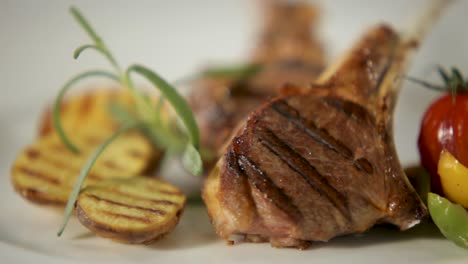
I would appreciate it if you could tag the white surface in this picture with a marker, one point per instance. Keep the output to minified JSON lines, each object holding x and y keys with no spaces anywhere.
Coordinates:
{"x":174,"y":37}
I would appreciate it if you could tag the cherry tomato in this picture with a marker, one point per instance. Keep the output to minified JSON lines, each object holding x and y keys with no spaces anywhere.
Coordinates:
{"x":444,"y":126}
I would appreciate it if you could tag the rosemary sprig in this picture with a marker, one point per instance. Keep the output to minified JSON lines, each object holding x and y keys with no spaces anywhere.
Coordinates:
{"x":235,"y":72}
{"x":147,"y":117}
{"x":99,"y":45}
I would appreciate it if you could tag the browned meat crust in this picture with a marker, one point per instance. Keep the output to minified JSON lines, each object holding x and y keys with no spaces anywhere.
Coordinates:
{"x":313,"y":165}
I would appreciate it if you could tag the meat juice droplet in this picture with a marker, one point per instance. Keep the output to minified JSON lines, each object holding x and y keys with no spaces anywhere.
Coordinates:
{"x":370,"y":70}
{"x":392,"y":206}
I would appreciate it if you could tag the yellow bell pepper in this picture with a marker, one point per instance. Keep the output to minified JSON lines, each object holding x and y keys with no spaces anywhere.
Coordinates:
{"x":454,"y":178}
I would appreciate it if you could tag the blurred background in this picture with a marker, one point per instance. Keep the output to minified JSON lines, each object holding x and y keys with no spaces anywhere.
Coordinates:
{"x":176,"y":38}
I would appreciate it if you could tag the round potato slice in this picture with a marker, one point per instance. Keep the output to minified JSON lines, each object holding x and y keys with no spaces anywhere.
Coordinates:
{"x":87,"y":110}
{"x":45,"y":172}
{"x":136,"y":210}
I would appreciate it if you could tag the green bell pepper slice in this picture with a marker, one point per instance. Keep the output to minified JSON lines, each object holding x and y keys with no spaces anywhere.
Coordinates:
{"x":450,"y":218}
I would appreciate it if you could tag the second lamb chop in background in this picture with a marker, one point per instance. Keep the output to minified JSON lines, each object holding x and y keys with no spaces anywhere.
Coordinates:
{"x":287,"y":52}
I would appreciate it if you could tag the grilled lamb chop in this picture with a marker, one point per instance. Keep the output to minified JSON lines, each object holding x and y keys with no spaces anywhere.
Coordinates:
{"x":287,"y":52}
{"x":316,"y":164}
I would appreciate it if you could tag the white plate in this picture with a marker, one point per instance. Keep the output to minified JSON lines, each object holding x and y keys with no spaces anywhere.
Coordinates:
{"x":175,"y":37}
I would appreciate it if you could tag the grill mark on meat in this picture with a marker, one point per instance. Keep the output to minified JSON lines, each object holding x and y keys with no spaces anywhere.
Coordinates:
{"x":36,"y":174}
{"x":321,"y":135}
{"x":128,"y":217}
{"x":242,"y":182}
{"x":364,"y":165}
{"x":260,"y":180}
{"x":100,"y":199}
{"x":318,"y":134}
{"x":232,"y":163}
{"x":351,"y":109}
{"x":301,"y":166}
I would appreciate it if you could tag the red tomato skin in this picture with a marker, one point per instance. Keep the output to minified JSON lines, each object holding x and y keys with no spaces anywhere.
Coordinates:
{"x":444,"y":126}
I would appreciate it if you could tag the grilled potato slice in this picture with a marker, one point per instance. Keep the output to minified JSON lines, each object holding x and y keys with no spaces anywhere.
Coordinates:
{"x":136,"y":210}
{"x":46,"y":171}
{"x":87,"y":110}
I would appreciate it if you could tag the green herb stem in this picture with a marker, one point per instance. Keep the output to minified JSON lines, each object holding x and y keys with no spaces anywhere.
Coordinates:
{"x":85,"y":171}
{"x":82,"y":48}
{"x":100,"y":45}
{"x":175,"y":99}
{"x":121,"y":114}
{"x":57,"y":104}
{"x":143,"y":106}
{"x":158,"y":108}
{"x":192,"y":160}
{"x":234,"y":72}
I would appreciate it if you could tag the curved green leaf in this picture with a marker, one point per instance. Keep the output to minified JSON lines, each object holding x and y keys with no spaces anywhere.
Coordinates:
{"x":85,"y":171}
{"x":99,"y":44}
{"x":192,"y":161}
{"x":163,"y":138}
{"x":80,"y":49}
{"x":84,"y":24}
{"x":143,"y":104}
{"x":235,"y":72}
{"x":58,"y":100}
{"x":174,"y":98}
